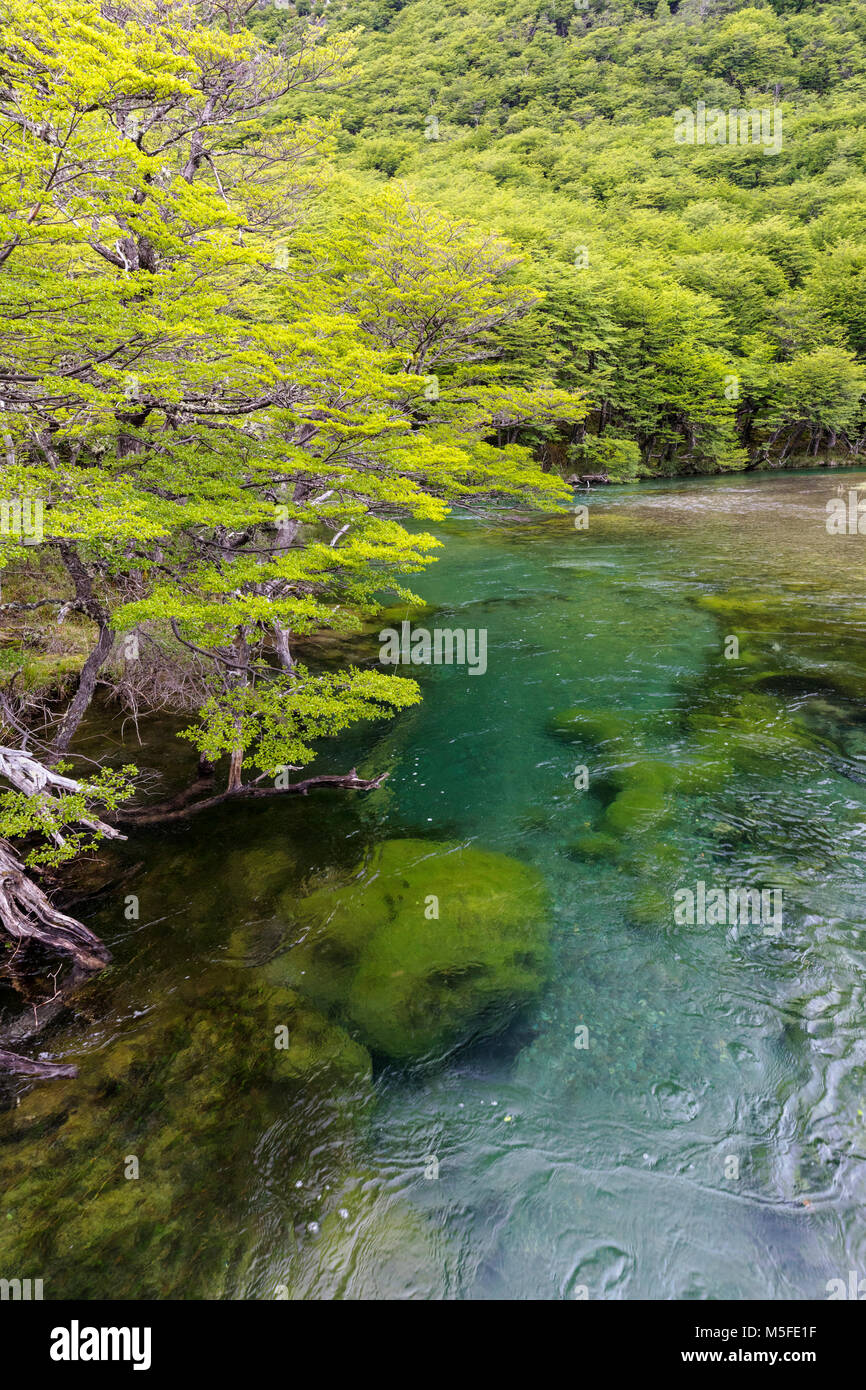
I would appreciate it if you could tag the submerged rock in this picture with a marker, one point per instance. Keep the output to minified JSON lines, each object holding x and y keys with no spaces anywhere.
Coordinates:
{"x":645,"y":791}
{"x":425,"y":946}
{"x":375,"y":1247}
{"x":588,"y":725}
{"x":595,"y":845}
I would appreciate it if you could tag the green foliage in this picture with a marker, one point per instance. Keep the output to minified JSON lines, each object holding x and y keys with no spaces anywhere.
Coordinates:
{"x":219,"y":393}
{"x":231,"y":397}
{"x":278,"y":722}
{"x":618,"y":459}
{"x":662,"y":271}
{"x":62,"y":825}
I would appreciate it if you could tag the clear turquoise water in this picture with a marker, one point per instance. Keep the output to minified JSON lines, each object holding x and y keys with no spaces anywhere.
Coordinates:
{"x":560,"y":1170}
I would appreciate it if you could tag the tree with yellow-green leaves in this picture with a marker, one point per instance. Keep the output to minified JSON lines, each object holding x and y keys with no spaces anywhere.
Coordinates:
{"x":223,"y":410}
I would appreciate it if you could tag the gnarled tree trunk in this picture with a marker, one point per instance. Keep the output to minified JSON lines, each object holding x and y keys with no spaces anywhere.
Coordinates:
{"x":86,"y":602}
{"x":25,"y":912}
{"x":27,"y":916}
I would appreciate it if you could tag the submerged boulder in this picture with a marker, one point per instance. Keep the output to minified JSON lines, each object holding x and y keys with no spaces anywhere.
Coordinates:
{"x":643,"y":799}
{"x":370,"y":1243}
{"x":588,"y":725}
{"x":424,"y":946}
{"x":595,"y":845}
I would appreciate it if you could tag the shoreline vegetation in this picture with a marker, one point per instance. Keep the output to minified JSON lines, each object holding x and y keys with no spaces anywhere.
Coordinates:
{"x":285,"y":283}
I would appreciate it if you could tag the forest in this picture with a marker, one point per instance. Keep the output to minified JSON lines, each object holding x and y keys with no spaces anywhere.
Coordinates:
{"x":704,"y":301}
{"x":303,"y":302}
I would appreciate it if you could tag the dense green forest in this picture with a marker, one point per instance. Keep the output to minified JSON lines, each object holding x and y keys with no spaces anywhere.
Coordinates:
{"x":706,"y":300}
{"x":221,"y":406}
{"x":284,"y":283}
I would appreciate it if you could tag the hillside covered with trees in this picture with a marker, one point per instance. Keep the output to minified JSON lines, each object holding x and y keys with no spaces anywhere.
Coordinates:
{"x":707,"y":300}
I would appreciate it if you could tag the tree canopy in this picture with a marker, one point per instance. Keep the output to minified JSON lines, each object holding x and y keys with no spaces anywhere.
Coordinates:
{"x":558,"y":120}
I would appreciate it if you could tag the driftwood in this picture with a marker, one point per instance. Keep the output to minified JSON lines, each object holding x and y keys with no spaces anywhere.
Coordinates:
{"x":182,"y":806}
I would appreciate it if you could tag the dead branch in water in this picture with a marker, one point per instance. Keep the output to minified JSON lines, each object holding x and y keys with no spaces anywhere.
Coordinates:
{"x":25,"y":1066}
{"x":183,"y":806}
{"x":32,"y":1021}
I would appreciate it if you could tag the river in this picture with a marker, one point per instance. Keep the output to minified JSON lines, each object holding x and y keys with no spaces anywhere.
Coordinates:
{"x":679,"y":1114}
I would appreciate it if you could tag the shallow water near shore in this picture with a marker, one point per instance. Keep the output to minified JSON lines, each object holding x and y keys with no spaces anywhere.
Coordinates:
{"x":706,"y":1136}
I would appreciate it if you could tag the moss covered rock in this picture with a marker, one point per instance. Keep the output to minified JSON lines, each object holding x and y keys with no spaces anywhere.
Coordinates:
{"x":588,"y":725}
{"x":425,"y":946}
{"x":595,"y":845}
{"x":637,"y":808}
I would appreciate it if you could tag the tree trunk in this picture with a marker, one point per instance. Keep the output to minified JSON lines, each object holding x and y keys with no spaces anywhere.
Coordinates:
{"x":27,"y":916}
{"x":86,"y":602}
{"x":80,"y":702}
{"x":793,"y":441}
{"x":235,"y":769}
{"x":282,"y":646}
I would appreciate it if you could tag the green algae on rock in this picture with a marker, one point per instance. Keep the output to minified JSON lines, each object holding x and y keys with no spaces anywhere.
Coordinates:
{"x":426,"y":946}
{"x":797,"y":643}
{"x":588,"y":725}
{"x":596,"y":845}
{"x":637,"y":808}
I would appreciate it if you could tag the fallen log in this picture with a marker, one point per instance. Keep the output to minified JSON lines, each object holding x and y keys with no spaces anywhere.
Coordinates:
{"x":584,"y":479}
